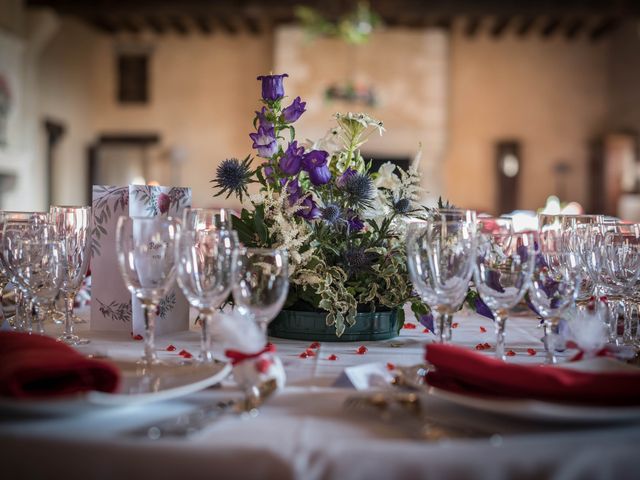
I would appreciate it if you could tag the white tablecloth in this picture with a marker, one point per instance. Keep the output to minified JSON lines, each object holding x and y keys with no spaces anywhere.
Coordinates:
{"x":304,"y":431}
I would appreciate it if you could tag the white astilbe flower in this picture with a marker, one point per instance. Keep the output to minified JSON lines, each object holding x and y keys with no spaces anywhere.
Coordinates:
{"x":288,"y":233}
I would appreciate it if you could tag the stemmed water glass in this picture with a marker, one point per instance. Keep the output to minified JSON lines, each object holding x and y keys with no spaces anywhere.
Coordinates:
{"x":504,"y":265}
{"x":554,"y":284}
{"x":207,"y":219}
{"x":621,"y":251}
{"x":441,"y":257}
{"x":72,"y":227}
{"x":261,"y":283}
{"x":204,"y":263}
{"x":39,"y":265}
{"x":146,"y":256}
{"x":17,"y":226}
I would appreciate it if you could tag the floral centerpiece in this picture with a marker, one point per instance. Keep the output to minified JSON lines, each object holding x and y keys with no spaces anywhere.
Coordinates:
{"x":341,"y":223}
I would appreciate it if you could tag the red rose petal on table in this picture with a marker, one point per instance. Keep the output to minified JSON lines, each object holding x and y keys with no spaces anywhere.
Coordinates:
{"x":511,"y":353}
{"x":332,"y":357}
{"x":486,"y":345}
{"x":454,"y":325}
{"x":362,"y":350}
{"x":182,"y":352}
{"x":390,"y":366}
{"x":138,"y":337}
{"x":531,"y":351}
{"x":310,"y":352}
{"x":483,"y":330}
{"x":171,"y":348}
{"x":426,"y":330}
{"x":409,"y":326}
{"x":303,"y":355}
{"x":187,"y":355}
{"x":315,"y":345}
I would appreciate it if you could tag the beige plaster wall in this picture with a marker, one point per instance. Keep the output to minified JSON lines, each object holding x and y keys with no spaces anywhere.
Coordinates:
{"x":552,"y":95}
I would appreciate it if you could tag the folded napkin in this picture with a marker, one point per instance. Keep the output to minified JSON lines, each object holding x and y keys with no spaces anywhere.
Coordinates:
{"x":35,"y":366}
{"x":466,"y":371}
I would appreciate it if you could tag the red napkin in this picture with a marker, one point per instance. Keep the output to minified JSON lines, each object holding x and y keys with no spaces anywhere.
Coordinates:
{"x":465,"y":371}
{"x":35,"y":366}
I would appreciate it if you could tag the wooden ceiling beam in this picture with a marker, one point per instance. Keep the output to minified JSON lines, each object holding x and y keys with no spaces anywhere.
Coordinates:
{"x":178,"y":25}
{"x":253,"y":25}
{"x":472,"y":27}
{"x":550,"y":27}
{"x":156,"y":25}
{"x":105,"y":24}
{"x":500,"y":26}
{"x":227,"y":25}
{"x":574,"y":27}
{"x":525,"y":26}
{"x":204,"y":24}
{"x":603,"y":28}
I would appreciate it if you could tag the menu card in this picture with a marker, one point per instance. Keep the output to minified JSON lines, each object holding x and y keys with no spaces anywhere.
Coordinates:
{"x":113,"y":307}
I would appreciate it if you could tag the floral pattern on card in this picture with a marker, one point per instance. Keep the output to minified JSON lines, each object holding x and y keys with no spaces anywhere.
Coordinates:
{"x":108,"y":201}
{"x":158,"y":202}
{"x":116,"y":311}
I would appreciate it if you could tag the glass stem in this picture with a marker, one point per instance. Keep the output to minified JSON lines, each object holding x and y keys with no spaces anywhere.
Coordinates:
{"x":20,"y":320}
{"x":68,"y":314}
{"x":439,"y":324}
{"x":205,"y":340}
{"x":627,"y":337}
{"x":446,"y":323}
{"x":150,"y":355}
{"x":39,"y":315}
{"x":549,"y":343}
{"x":500,"y":317}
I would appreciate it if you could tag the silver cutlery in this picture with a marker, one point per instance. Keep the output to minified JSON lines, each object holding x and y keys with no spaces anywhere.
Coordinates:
{"x":198,"y":419}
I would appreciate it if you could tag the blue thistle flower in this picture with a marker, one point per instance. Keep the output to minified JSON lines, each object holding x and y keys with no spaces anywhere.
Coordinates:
{"x":402,"y":206}
{"x":357,"y":259}
{"x":359,"y":189}
{"x":233,"y":176}
{"x":331,"y":213}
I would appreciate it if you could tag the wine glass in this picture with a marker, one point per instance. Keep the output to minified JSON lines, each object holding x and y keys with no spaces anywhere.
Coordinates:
{"x":39,"y":265}
{"x":504,"y":265}
{"x":72,"y":227}
{"x":454,"y":215}
{"x":16,"y":226}
{"x":146,"y":256}
{"x":261,"y":283}
{"x":554,"y":284}
{"x":204,"y":263}
{"x":207,"y":219}
{"x":441,"y":257}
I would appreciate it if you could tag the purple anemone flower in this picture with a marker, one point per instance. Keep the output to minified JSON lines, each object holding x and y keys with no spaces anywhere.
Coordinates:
{"x":294,"y":111}
{"x":293,"y":189}
{"x":272,"y":88}
{"x":291,"y":162}
{"x":309,"y":209}
{"x":264,"y":140}
{"x":320,"y":175}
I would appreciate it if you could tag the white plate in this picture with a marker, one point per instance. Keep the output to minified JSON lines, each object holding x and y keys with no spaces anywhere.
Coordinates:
{"x":551,"y":411}
{"x":139,"y":386}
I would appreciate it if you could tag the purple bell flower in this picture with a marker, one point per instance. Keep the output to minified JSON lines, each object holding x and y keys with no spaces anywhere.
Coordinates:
{"x":310,"y":210}
{"x":264,"y":140}
{"x":426,"y":321}
{"x":315,"y":159}
{"x":320,"y":175}
{"x":482,"y":309}
{"x":354,"y":222}
{"x":293,"y":189}
{"x":294,"y":111}
{"x":342,"y":179}
{"x":272,"y":88}
{"x":291,"y":162}
{"x":262,"y":118}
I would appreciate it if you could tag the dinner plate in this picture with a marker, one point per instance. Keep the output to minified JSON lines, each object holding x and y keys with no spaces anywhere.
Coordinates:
{"x":138,"y":386}
{"x":551,"y":411}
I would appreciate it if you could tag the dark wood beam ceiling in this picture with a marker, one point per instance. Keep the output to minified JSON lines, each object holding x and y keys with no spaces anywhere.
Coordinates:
{"x":569,"y":19}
